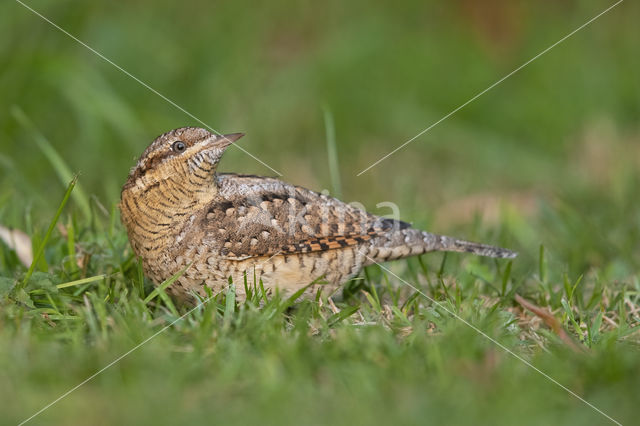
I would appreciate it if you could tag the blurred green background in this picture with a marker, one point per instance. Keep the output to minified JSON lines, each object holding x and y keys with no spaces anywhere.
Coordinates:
{"x":550,"y":156}
{"x":384,"y":71}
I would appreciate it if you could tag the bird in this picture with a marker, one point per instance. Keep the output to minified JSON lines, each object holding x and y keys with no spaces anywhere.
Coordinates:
{"x":210,"y":229}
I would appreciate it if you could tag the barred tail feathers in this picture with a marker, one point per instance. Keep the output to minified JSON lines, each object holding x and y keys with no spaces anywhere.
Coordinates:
{"x":412,"y":242}
{"x":444,"y":243}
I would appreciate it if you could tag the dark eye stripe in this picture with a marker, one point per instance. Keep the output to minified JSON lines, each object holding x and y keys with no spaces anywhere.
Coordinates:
{"x":156,"y":157}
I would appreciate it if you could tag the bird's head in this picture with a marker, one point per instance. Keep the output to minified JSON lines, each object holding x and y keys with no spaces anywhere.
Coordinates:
{"x":179,"y":165}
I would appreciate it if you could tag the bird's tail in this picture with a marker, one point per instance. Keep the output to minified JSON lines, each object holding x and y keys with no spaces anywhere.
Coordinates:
{"x":411,"y":242}
{"x":444,"y":243}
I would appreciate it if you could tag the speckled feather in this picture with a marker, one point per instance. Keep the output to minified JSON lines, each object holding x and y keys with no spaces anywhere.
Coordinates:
{"x":179,"y":212}
{"x":258,"y":216}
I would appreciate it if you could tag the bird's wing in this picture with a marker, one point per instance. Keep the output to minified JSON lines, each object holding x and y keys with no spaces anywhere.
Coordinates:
{"x":257,"y":216}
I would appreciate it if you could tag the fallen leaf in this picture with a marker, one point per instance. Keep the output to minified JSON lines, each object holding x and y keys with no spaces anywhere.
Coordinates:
{"x":551,"y":321}
{"x":17,"y":240}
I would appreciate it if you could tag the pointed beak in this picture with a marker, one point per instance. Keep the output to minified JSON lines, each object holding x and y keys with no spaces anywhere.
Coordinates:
{"x":226,"y":140}
{"x":216,"y":145}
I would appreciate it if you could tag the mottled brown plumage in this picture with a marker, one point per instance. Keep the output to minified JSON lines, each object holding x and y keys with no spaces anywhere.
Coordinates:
{"x":178,"y":212}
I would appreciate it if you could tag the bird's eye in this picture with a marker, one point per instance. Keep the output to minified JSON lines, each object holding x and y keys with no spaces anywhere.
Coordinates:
{"x":178,"y":146}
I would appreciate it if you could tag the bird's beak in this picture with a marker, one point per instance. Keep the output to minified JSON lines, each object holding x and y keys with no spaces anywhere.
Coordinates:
{"x":216,"y":145}
{"x":226,"y":140}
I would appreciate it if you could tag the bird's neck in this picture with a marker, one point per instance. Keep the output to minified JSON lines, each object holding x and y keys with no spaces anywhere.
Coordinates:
{"x":157,"y":212}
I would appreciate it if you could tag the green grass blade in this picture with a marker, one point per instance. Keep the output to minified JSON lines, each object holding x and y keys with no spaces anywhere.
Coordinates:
{"x":593,"y":329}
{"x":36,"y":242}
{"x":166,"y":283}
{"x":332,"y":153}
{"x":400,"y":315}
{"x":342,"y":315}
{"x":82,"y":281}
{"x":52,"y":225}
{"x":505,"y":277}
{"x":230,"y":305}
{"x":542,"y":265}
{"x":443,"y":264}
{"x":168,"y":302}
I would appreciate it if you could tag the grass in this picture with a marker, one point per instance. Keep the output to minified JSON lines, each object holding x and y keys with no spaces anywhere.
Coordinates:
{"x":546,"y":164}
{"x":386,"y":353}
